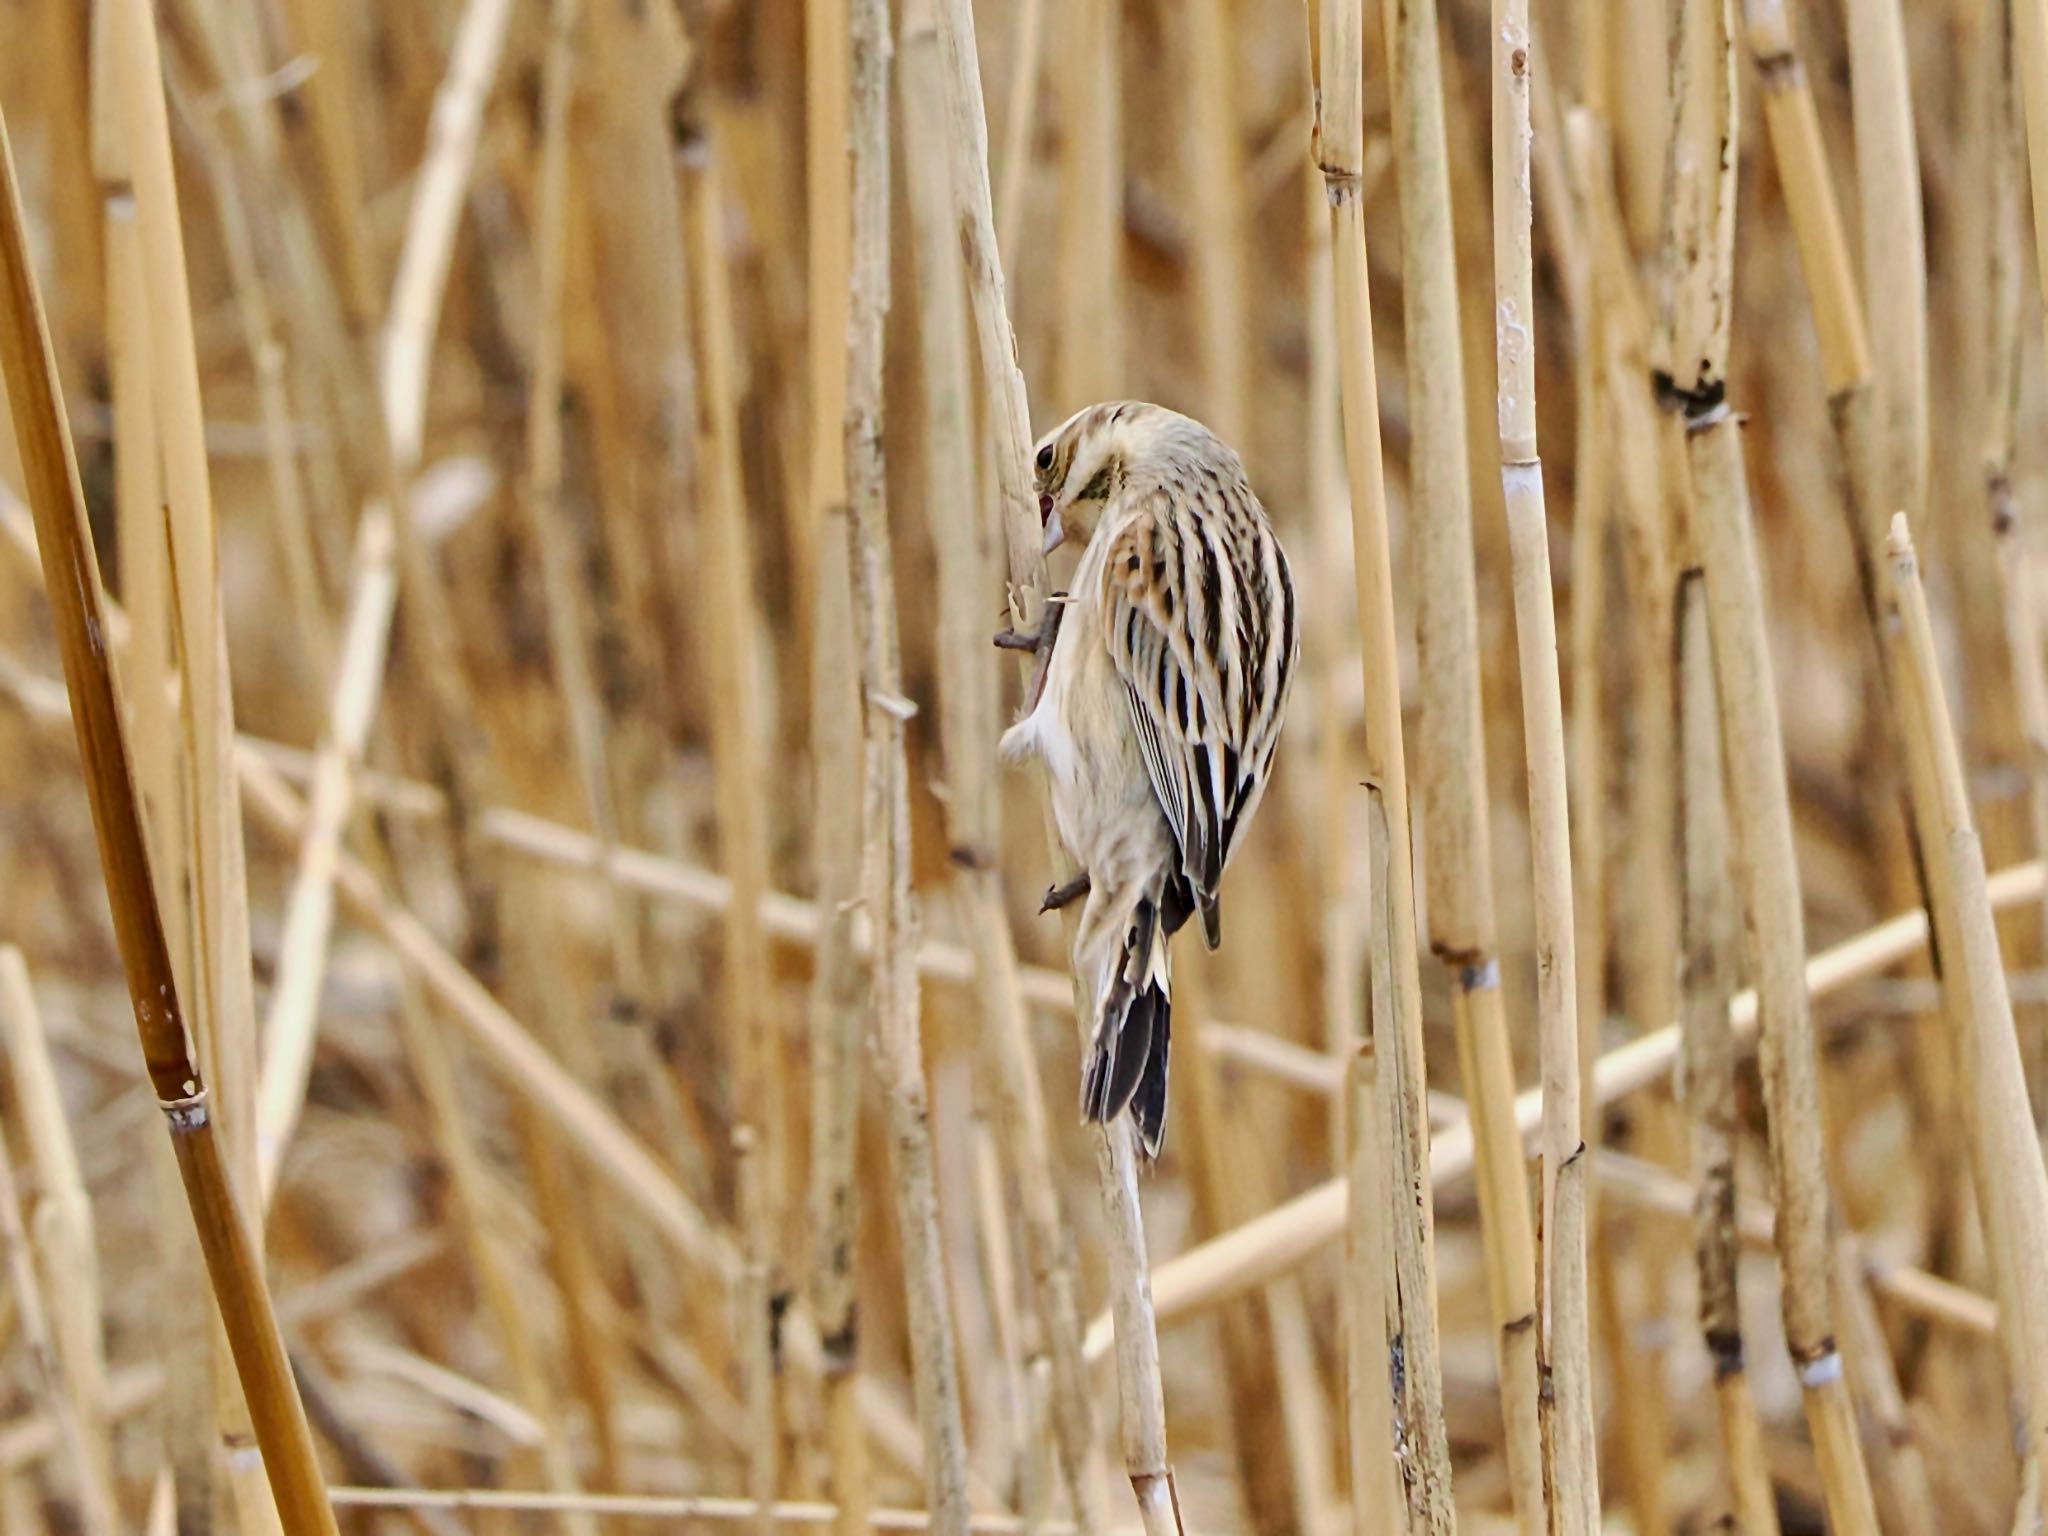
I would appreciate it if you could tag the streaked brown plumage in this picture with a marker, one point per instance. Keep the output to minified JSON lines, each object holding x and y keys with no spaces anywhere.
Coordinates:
{"x":1156,"y":709}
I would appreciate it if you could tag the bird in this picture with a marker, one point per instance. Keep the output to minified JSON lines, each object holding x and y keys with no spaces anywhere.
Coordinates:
{"x":1162,"y":677}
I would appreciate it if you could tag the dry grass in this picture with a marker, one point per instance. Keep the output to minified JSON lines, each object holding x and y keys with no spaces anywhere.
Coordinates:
{"x":553,"y":470}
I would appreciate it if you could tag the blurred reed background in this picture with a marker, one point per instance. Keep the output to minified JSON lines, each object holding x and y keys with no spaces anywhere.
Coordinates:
{"x":555,"y":462}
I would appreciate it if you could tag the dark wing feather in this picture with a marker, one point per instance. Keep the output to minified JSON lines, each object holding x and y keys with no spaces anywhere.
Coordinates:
{"x":1195,"y":593}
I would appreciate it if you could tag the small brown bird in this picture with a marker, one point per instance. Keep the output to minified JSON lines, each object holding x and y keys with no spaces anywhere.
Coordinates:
{"x":1161,"y":680}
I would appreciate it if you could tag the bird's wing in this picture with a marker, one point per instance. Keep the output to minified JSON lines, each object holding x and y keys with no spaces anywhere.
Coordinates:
{"x":1200,"y":623}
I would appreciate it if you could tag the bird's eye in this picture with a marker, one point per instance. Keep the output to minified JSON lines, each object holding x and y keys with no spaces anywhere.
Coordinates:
{"x":1044,"y":509}
{"x":1045,"y":458}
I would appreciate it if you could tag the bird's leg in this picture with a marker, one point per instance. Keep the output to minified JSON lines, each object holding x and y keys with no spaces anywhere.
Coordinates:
{"x":1058,"y":896}
{"x":1039,"y":639}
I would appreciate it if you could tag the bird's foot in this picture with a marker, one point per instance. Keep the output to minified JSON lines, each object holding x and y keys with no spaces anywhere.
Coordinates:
{"x":1039,"y":643}
{"x":1058,"y":896}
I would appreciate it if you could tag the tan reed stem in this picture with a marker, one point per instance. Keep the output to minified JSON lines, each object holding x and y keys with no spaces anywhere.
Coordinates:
{"x":729,"y":631}
{"x":1142,"y":1396}
{"x":1564,"y":1345}
{"x":2012,"y":1192}
{"x":1215,"y":201}
{"x":1707,"y":1075}
{"x":1020,"y":118}
{"x":72,"y":581}
{"x":836,"y":992}
{"x":1336,"y":43}
{"x":1452,"y":749}
{"x":886,"y":799}
{"x":1377,"y":1504}
{"x":968,"y":707}
{"x":1421,"y":1448}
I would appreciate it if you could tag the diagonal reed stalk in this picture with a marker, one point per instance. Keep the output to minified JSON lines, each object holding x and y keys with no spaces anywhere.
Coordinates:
{"x":71,"y":577}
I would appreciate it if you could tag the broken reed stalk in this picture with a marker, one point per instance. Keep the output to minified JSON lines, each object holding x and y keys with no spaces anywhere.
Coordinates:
{"x":965,"y":545}
{"x":837,"y":1059}
{"x":98,"y":1511}
{"x":1706,"y":1078}
{"x":1089,"y":364}
{"x":726,"y":594}
{"x":2012,"y":1191}
{"x":1142,"y":1396}
{"x":1414,"y":1359}
{"x":886,"y":876}
{"x":1458,"y":860}
{"x":71,"y":576}
{"x":1564,"y":1342}
{"x":1376,"y":1501}
{"x":61,"y":1234}
{"x":1336,"y":46}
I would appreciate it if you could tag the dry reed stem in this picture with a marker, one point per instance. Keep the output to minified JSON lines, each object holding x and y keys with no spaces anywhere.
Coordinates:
{"x":83,"y":1440}
{"x":1141,"y":1395}
{"x":72,"y":582}
{"x":62,"y":1235}
{"x":321,"y":29}
{"x":1414,"y":1364}
{"x":1707,"y":1074}
{"x":1215,"y":200}
{"x":2012,"y":1189}
{"x":709,"y":1508}
{"x":1337,"y":40}
{"x":290,"y":1025}
{"x":1769,"y":880}
{"x":836,"y":1000}
{"x":886,"y":798}
{"x":1894,"y":247}
{"x":1451,"y":747}
{"x":730,"y":627}
{"x":1376,"y":1502}
{"x":1564,"y":1347}
{"x":968,"y":706}
{"x":1901,"y":1471}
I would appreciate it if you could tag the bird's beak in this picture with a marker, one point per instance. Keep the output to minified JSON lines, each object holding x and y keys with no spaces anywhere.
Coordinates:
{"x":1055,"y":534}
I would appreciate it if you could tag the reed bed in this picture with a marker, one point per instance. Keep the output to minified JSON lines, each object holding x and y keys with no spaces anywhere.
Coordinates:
{"x":507,"y":506}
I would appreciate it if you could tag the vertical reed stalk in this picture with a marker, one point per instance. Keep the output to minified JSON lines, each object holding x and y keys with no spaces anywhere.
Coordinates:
{"x":1020,"y":117}
{"x":1216,"y":204}
{"x":1414,"y":1361}
{"x":1336,"y":47}
{"x":966,"y":549}
{"x":71,"y":577}
{"x":730,"y":624}
{"x":1377,"y":1505}
{"x":836,"y":1000}
{"x":1707,"y":1077}
{"x":1452,"y":748}
{"x":1143,"y":1399}
{"x":1563,"y":1341}
{"x":886,"y":799}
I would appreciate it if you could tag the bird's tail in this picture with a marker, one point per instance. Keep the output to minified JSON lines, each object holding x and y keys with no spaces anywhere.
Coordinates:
{"x":1133,"y":1028}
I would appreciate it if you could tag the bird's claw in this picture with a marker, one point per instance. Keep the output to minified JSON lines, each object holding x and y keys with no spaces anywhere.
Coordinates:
{"x":1011,"y":640}
{"x":1058,"y":896}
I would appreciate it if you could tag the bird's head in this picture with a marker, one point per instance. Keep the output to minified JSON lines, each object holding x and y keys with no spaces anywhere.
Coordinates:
{"x":1079,"y":467}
